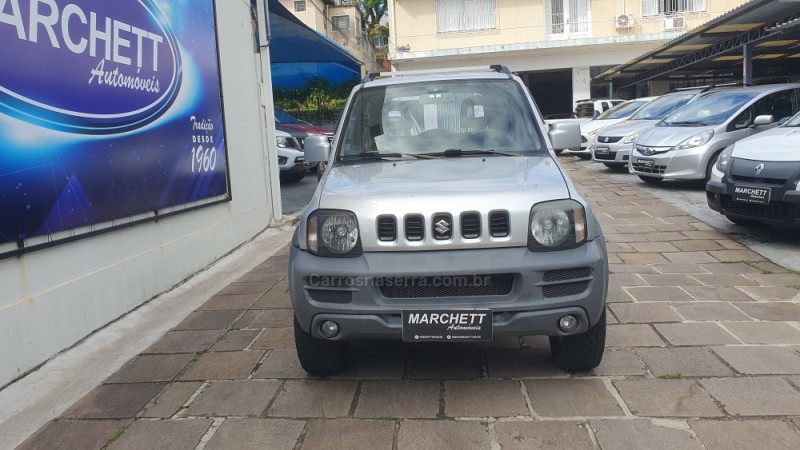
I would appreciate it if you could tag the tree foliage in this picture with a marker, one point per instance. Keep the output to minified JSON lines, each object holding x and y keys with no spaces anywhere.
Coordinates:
{"x":372,"y":11}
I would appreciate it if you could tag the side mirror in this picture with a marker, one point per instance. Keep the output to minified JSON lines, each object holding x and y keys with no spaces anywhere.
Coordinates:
{"x":316,"y":148}
{"x":763,"y":120}
{"x":565,"y":135}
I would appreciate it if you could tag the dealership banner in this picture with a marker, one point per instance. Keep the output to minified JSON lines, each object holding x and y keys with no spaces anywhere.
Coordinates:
{"x":108,"y":109}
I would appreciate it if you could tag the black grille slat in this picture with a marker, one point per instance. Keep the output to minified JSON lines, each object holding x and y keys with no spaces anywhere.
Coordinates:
{"x":499,"y":223}
{"x":754,"y":180}
{"x":387,"y":228}
{"x":447,"y":286}
{"x":330,"y":296}
{"x":566,"y":274}
{"x":774,"y":210}
{"x":564,"y":289}
{"x":608,"y":139}
{"x":415,"y":227}
{"x":471,"y":225}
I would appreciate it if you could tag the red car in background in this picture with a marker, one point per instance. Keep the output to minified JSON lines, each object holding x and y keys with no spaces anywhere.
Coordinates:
{"x":299,"y":129}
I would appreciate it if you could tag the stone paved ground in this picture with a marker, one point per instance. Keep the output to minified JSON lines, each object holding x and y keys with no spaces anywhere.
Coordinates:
{"x":703,"y":351}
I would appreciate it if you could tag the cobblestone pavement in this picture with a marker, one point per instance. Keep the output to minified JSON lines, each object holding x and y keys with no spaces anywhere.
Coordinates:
{"x":703,"y":351}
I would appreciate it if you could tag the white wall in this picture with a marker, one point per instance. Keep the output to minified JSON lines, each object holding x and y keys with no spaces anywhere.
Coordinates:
{"x":51,"y":299}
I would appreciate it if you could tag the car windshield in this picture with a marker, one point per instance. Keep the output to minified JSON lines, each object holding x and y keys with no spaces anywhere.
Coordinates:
{"x":710,"y":110}
{"x":622,"y":110}
{"x":439,"y":119}
{"x":282,"y":116}
{"x":794,"y":121}
{"x":662,"y":106}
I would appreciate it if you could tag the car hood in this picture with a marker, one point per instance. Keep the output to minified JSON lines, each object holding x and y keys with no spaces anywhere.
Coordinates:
{"x":777,"y":144}
{"x":308,"y":129}
{"x":499,"y":181}
{"x":595,"y":125}
{"x":669,"y":136}
{"x":628,"y":127}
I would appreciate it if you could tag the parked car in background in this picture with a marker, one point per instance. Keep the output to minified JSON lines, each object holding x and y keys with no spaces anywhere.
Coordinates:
{"x":612,"y":146}
{"x":685,"y":145}
{"x":443,"y":217}
{"x":757,"y":180}
{"x":612,"y":116}
{"x":585,"y":111}
{"x":291,"y":161}
{"x":299,"y":129}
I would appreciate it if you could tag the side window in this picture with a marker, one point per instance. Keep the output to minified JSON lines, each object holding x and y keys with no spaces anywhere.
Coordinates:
{"x":744,"y":119}
{"x":778,"y":105}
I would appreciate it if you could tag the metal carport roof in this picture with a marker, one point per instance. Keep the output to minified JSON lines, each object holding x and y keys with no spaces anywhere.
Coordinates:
{"x":761,"y":35}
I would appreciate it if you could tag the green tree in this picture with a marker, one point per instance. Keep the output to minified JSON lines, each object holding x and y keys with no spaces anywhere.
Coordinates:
{"x":372,"y":11}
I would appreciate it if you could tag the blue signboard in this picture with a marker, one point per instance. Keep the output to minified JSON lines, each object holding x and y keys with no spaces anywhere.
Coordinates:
{"x":108,"y":109}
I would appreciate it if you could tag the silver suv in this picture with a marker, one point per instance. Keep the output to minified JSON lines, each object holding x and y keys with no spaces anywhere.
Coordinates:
{"x":444,"y":216}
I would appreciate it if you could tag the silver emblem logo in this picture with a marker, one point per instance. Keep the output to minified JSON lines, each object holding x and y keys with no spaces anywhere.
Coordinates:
{"x":442,"y":227}
{"x":606,"y":139}
{"x":759,"y":168}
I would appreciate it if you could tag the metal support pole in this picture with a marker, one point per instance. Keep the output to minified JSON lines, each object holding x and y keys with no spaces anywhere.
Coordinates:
{"x":747,"y":64}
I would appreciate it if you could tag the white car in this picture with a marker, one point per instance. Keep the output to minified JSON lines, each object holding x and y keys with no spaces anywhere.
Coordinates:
{"x":291,"y":162}
{"x":613,"y":116}
{"x":757,"y":180}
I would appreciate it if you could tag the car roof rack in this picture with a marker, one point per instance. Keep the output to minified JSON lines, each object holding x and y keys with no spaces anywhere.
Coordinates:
{"x":499,"y":68}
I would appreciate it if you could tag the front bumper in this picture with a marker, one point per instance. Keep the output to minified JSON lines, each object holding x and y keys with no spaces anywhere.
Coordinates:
{"x":689,"y":164}
{"x":545,"y":287}
{"x":783,"y":208}
{"x":615,"y":153}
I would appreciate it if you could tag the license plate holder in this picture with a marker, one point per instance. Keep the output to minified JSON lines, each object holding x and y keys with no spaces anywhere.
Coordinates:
{"x":752,"y":194}
{"x":647,"y":163}
{"x":448,"y":325}
{"x":601,"y":150}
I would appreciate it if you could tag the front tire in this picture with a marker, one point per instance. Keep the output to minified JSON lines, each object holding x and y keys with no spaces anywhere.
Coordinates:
{"x":317,"y":356}
{"x":580,"y":352}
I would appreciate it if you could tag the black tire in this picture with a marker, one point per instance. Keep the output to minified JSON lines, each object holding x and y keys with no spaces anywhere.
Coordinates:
{"x":317,"y":356}
{"x":584,"y":156}
{"x":293,"y":177}
{"x":651,"y":180}
{"x":580,"y":352}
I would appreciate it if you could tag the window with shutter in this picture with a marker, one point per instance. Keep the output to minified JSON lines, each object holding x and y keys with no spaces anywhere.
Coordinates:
{"x":464,"y":15}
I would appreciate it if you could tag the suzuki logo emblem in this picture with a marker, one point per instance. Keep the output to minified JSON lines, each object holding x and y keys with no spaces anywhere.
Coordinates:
{"x":606,"y":139}
{"x":759,"y":168}
{"x":442,"y":227}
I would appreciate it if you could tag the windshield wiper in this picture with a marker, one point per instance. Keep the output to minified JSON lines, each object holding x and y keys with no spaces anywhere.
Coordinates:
{"x":382,"y":155}
{"x":686,"y":124}
{"x":456,"y":152}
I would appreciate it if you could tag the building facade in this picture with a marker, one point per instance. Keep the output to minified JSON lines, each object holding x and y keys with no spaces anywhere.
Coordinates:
{"x":339,"y":21}
{"x":557,"y":46}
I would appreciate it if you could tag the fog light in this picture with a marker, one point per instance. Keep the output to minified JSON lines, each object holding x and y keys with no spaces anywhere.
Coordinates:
{"x":568,"y":323}
{"x":329,"y":329}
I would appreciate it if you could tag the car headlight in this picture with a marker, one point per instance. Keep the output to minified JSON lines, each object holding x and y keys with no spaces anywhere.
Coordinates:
{"x":724,"y":159}
{"x":630,"y":139}
{"x":333,"y":233}
{"x":282,"y":142}
{"x":557,"y":225}
{"x":695,"y":141}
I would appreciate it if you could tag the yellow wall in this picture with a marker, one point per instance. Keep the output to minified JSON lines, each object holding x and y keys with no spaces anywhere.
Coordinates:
{"x":313,"y":16}
{"x":523,"y":21}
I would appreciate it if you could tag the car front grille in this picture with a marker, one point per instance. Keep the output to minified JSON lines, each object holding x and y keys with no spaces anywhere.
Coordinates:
{"x":608,"y":139}
{"x":639,"y":167}
{"x":330,"y":296}
{"x":754,"y":180}
{"x":565,"y":282}
{"x":605,"y":156}
{"x":447,"y":286}
{"x":775,"y":210}
{"x":442,"y":226}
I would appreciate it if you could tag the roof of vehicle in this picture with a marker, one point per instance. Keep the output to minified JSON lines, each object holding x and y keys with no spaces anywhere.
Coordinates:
{"x":455,"y":73}
{"x":765,"y":88}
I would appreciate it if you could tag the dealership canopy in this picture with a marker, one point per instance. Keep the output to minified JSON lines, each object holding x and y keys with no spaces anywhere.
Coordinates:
{"x":760,"y":39}
{"x":297,"y":52}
